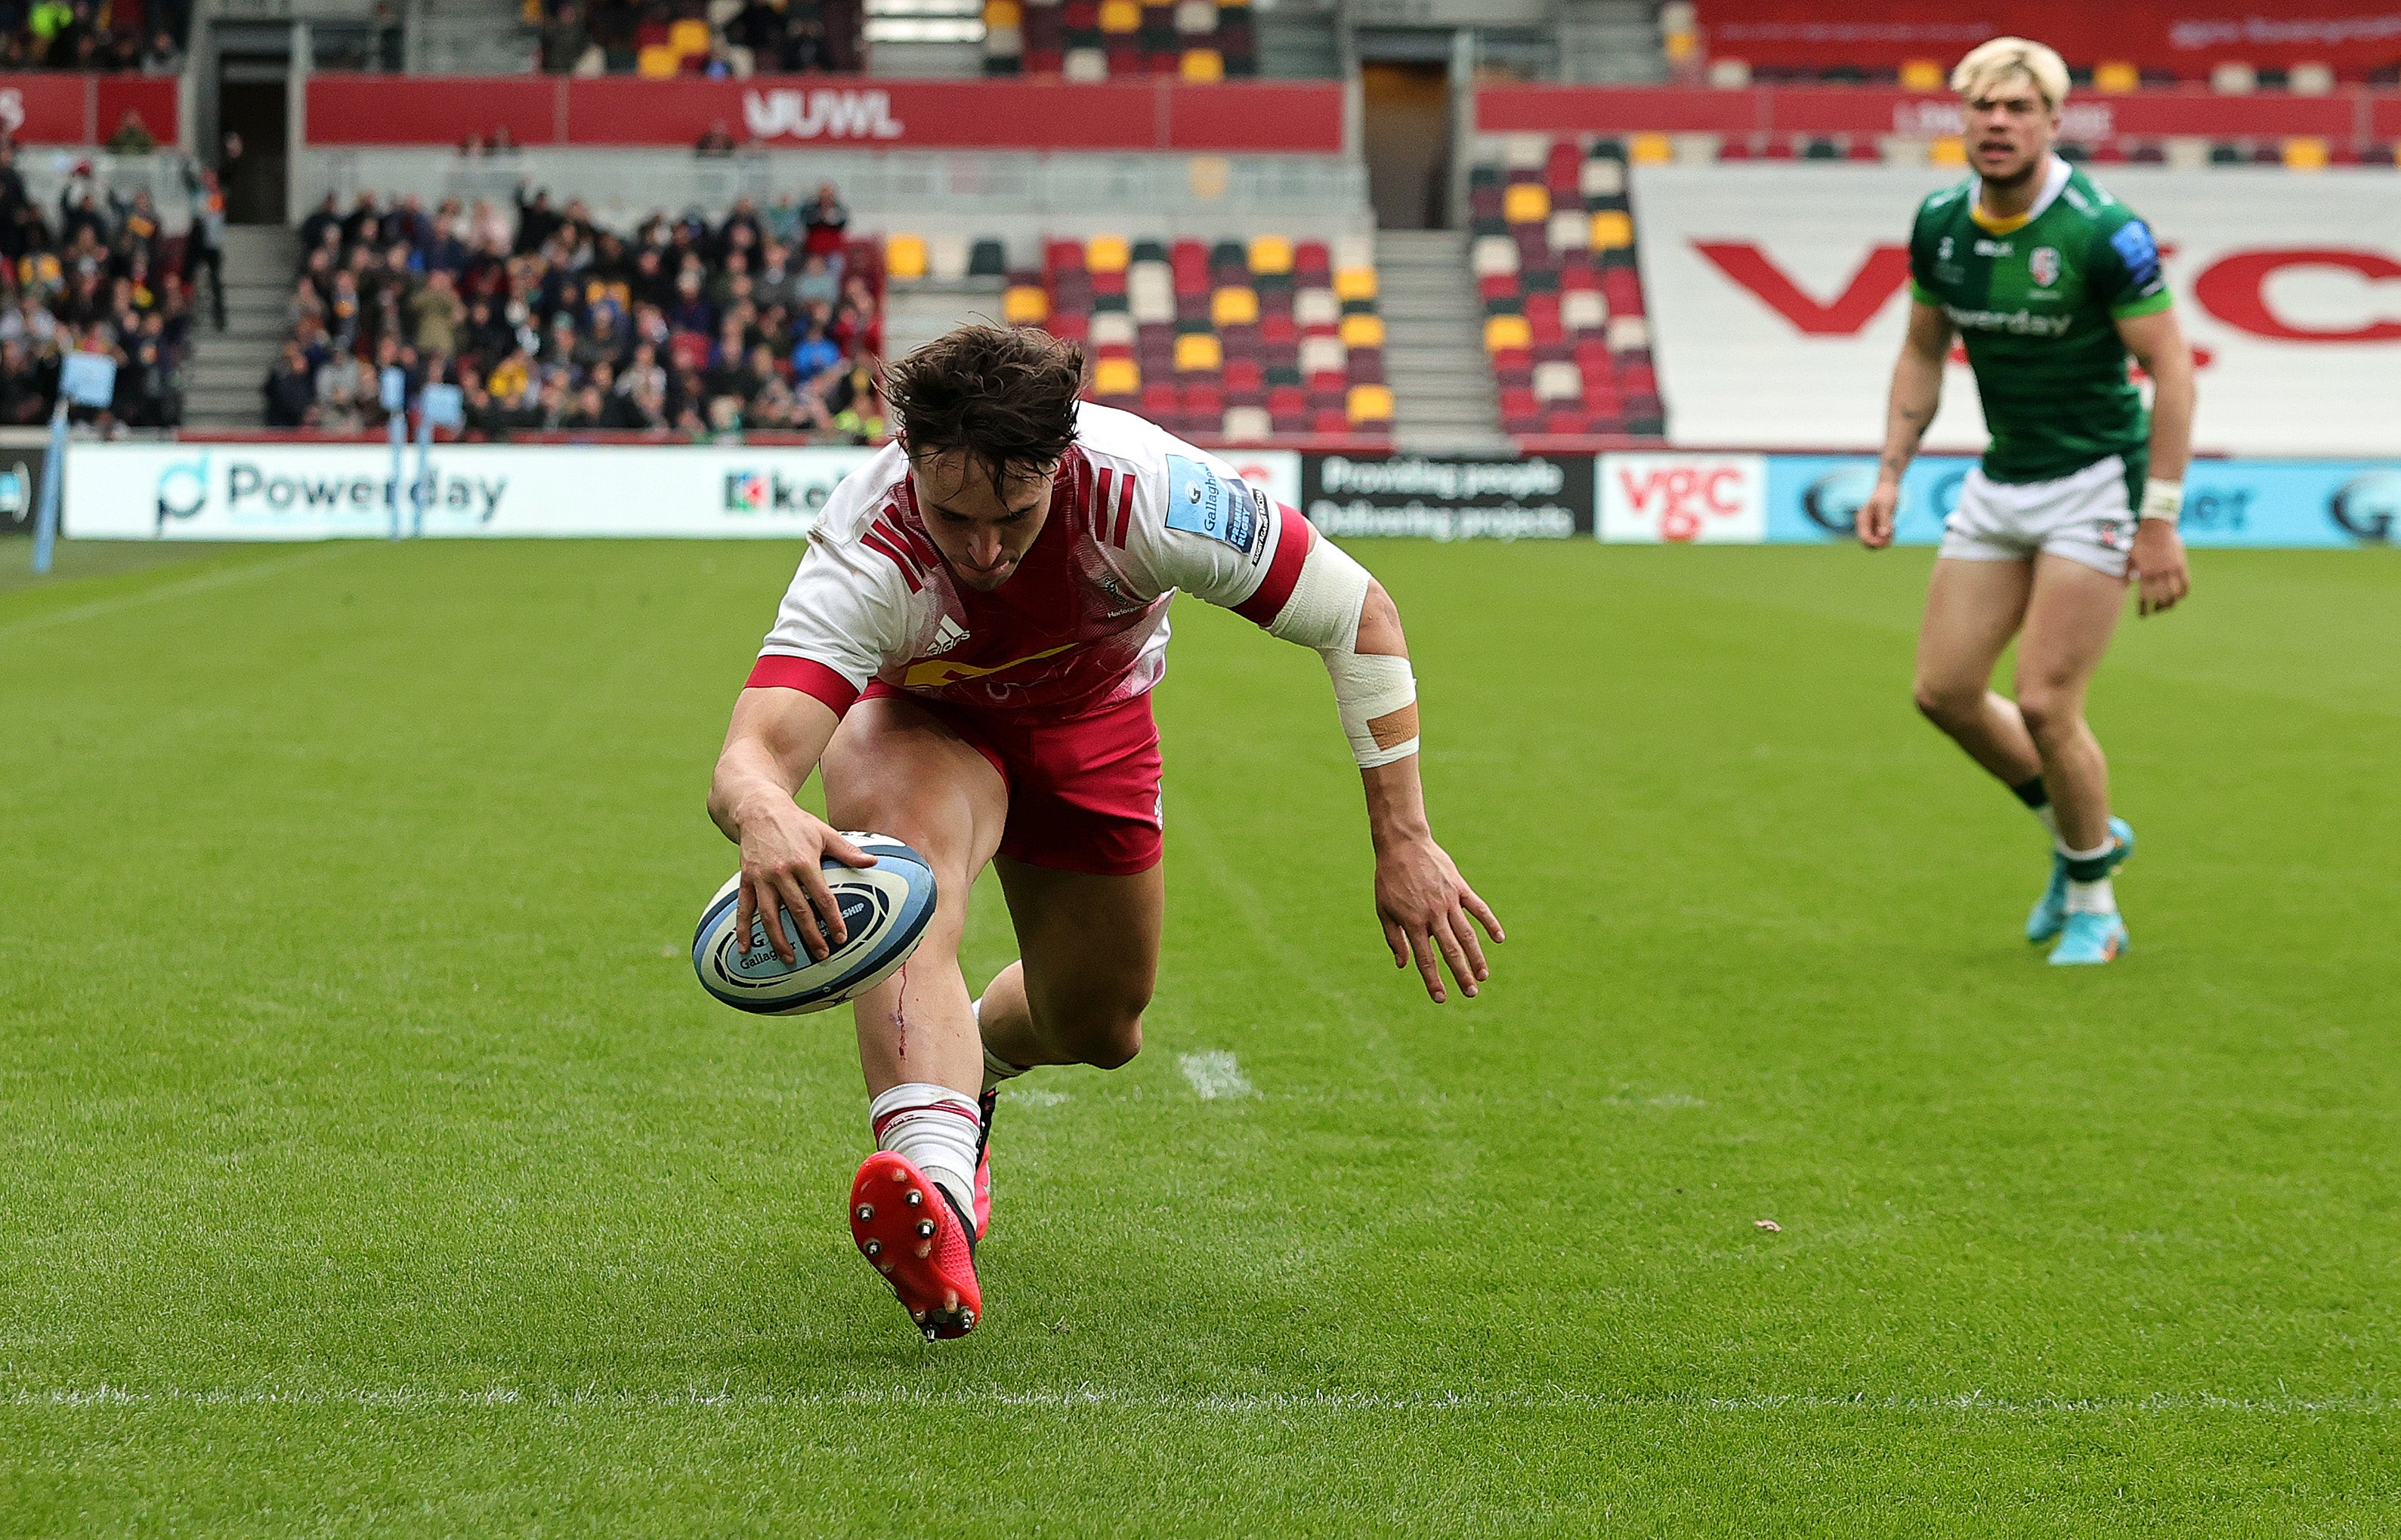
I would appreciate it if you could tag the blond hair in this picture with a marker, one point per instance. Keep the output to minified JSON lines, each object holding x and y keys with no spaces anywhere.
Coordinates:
{"x":1991,"y":65}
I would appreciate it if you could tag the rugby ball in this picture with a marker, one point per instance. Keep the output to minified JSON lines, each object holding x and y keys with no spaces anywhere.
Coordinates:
{"x":884,"y":908}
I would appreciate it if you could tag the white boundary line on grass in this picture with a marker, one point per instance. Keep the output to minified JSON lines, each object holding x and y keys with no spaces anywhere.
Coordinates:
{"x":199,"y":584}
{"x":409,"y":1399}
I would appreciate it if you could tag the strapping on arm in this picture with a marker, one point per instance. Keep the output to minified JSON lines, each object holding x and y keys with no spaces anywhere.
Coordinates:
{"x":1375,"y":693}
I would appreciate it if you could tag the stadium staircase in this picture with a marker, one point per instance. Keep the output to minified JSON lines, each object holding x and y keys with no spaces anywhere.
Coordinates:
{"x":225,"y":371}
{"x":1611,"y":43}
{"x":469,"y":37}
{"x":1443,"y":396}
{"x":914,"y":314}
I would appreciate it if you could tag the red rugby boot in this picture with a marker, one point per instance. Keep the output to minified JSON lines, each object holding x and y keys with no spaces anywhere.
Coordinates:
{"x":916,"y":1238}
{"x":988,"y":1104}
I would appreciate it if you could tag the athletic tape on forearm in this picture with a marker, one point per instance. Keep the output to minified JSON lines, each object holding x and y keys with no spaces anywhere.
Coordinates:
{"x":2163,"y":500}
{"x":1377,"y":697}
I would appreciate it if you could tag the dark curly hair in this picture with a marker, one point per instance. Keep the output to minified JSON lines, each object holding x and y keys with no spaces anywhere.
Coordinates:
{"x":1005,"y":394}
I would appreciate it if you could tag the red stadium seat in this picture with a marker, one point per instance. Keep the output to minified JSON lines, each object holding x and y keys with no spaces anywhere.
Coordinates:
{"x":1312,"y":259}
{"x":1329,"y":419}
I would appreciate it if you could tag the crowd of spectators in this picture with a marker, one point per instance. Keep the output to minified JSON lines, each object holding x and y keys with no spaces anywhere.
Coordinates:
{"x":111,"y":35}
{"x":716,"y":38}
{"x":101,"y":276}
{"x":768,"y":319}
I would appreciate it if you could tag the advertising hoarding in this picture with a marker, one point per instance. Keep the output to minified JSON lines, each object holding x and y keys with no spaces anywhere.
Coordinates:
{"x":327,"y":491}
{"x":1449,"y":496}
{"x":1779,"y":297}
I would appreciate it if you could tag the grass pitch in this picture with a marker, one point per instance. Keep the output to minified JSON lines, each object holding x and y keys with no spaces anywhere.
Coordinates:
{"x":371,"y":1164}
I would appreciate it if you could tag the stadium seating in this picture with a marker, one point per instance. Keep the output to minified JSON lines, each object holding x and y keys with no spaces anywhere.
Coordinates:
{"x":1086,"y":40}
{"x":705,"y":37}
{"x":1551,"y":248}
{"x":1243,"y":339}
{"x":549,"y":323}
{"x":96,"y":272}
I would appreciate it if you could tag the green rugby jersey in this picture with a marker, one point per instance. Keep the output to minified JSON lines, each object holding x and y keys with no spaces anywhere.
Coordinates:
{"x":2036,"y":303}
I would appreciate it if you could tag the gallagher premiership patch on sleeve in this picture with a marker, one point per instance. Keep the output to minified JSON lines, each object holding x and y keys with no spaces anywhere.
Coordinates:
{"x":2135,"y":248}
{"x":1201,"y":501}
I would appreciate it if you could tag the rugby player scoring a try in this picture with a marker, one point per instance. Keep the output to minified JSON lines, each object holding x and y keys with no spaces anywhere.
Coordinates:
{"x":2053,"y":282}
{"x":967,"y":652}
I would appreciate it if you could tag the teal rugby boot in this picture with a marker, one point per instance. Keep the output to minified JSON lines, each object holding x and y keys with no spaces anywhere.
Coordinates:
{"x":2050,"y":912}
{"x":2091,"y":938}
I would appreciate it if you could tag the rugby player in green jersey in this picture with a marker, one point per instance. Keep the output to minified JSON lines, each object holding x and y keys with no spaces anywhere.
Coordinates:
{"x":2052,"y":284}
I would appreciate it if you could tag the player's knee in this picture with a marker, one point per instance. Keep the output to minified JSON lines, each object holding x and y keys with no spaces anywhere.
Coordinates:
{"x":2048,"y":711}
{"x":1946,"y":705}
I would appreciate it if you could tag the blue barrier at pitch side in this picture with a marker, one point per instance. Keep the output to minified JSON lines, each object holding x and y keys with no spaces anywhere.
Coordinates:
{"x":2289,"y":503}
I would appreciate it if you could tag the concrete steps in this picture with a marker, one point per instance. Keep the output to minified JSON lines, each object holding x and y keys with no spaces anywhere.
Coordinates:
{"x":1442,"y":395}
{"x":224,"y":370}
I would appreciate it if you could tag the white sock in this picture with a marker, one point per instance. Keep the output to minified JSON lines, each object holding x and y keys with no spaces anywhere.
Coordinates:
{"x":995,"y":1068}
{"x":2050,"y":816}
{"x":934,"y":1128}
{"x":2094,"y":898}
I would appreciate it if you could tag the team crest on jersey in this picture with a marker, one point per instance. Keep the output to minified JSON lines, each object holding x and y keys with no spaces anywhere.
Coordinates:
{"x":2044,"y":266}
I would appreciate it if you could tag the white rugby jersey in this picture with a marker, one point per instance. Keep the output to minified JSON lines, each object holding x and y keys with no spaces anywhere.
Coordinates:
{"x":1081,"y":623}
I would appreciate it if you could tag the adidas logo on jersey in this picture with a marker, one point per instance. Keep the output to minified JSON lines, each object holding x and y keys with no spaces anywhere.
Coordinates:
{"x":947,"y":636}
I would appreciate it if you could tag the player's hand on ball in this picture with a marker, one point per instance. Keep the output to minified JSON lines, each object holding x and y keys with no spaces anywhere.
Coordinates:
{"x":1874,"y":521}
{"x":2159,"y":568}
{"x":1424,"y":905}
{"x":783,"y":852}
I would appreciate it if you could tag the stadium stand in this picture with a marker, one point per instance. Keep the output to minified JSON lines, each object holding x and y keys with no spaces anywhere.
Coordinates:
{"x":761,"y":320}
{"x":661,"y":39}
{"x":99,"y":272}
{"x":1085,"y":40}
{"x":1245,"y":339}
{"x":1552,"y":249}
{"x":126,"y":35}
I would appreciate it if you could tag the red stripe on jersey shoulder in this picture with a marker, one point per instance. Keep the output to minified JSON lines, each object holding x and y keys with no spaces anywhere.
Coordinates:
{"x":1125,"y":513}
{"x":919,"y":544}
{"x":1292,"y":540}
{"x":781,"y":671}
{"x":1092,"y":507}
{"x":889,"y":548}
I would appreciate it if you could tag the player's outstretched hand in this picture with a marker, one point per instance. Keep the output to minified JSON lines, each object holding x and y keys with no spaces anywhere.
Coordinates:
{"x":783,"y":852}
{"x":1424,"y":905}
{"x":2159,"y":567}
{"x":1874,"y":523}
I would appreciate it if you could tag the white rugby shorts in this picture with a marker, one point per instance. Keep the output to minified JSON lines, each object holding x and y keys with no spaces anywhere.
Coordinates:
{"x":2084,"y":517}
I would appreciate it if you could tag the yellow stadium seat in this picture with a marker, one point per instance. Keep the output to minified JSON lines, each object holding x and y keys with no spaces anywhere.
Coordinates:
{"x":1271,"y":255}
{"x":2116,"y":77}
{"x":1201,"y":66}
{"x":1234,"y":307}
{"x":1611,"y":229}
{"x":1116,"y":377}
{"x":1363,"y":331}
{"x":1003,"y":13}
{"x":1371,"y":403}
{"x":689,"y":36}
{"x":1679,"y":46}
{"x":1526,"y":203}
{"x":1923,"y":74}
{"x":1355,"y":283}
{"x":1507,"y":334}
{"x":1025,"y":305}
{"x":1946,"y":152}
{"x":1106,"y":254}
{"x":1199,"y":352}
{"x":1120,"y":15}
{"x":658,"y":62}
{"x":2306,"y":155}
{"x":1651,"y":149}
{"x":904,"y":256}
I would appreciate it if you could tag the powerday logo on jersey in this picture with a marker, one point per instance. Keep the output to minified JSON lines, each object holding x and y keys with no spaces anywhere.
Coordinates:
{"x":2044,"y":265}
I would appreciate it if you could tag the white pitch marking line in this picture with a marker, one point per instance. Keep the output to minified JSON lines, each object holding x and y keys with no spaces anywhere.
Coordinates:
{"x":205,"y":582}
{"x":1272,"y":1404}
{"x":1216,"y":1075}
